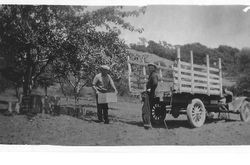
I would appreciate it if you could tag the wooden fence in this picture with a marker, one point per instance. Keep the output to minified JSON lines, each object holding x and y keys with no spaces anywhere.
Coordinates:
{"x":182,"y":77}
{"x":137,"y":76}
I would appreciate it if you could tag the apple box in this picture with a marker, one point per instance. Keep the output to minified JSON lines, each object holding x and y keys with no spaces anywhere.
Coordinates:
{"x":107,"y":98}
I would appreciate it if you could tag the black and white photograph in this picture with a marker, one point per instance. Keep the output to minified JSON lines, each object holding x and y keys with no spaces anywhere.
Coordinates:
{"x":119,"y":75}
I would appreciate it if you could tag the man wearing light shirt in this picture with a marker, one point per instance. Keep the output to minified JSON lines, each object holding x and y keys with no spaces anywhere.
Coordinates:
{"x":103,"y":83}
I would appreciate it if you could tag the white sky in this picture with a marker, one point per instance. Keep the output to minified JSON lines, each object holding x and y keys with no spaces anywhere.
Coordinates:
{"x":209,"y":25}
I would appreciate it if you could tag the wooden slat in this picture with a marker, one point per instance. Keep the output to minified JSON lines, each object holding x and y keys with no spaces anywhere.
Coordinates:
{"x":186,"y":77}
{"x":200,"y":84}
{"x":214,"y":76}
{"x":182,"y":70}
{"x":214,"y":81}
{"x":200,"y":73}
{"x":186,"y":70}
{"x":195,"y":79}
{"x":160,"y":72}
{"x":197,"y":90}
{"x":215,"y":89}
{"x":200,"y":67}
{"x":192,"y":71}
{"x":220,"y":68}
{"x":200,"y":79}
{"x":186,"y":83}
{"x":185,"y":64}
{"x":212,"y":92}
{"x":215,"y":86}
{"x":214,"y":69}
{"x":185,"y":89}
{"x":179,"y":66}
{"x":208,"y":67}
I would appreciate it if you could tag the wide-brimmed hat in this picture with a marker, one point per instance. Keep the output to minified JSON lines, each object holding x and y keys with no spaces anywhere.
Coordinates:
{"x":152,"y":64}
{"x":105,"y":67}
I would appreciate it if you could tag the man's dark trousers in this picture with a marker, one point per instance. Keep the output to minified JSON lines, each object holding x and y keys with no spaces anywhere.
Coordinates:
{"x":102,"y":111}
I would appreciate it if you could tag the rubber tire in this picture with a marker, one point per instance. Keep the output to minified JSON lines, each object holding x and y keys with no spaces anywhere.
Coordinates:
{"x":245,"y":111}
{"x":190,"y":113}
{"x":158,"y":119}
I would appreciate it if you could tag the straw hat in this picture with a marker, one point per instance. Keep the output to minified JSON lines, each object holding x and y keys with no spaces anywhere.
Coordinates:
{"x":152,"y":64}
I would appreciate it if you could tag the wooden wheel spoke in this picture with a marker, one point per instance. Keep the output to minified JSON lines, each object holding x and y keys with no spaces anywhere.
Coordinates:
{"x":196,"y":113}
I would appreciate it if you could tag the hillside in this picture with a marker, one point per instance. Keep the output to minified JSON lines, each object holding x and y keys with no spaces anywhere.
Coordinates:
{"x":151,"y":57}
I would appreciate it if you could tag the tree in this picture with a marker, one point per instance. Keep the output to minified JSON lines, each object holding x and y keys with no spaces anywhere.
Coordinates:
{"x":33,"y":37}
{"x":229,"y":56}
{"x":243,"y":82}
{"x":30,"y":39}
{"x":44,"y":81}
{"x":14,"y":77}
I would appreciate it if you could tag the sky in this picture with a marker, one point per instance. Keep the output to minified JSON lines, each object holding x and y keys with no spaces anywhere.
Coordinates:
{"x":187,"y":22}
{"x":209,"y":25}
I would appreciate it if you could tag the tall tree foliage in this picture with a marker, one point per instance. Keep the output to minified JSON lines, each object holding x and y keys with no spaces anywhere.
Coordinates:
{"x":33,"y":37}
{"x":30,"y":39}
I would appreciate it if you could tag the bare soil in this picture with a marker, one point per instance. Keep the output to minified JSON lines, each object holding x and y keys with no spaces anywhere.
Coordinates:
{"x":125,"y":129}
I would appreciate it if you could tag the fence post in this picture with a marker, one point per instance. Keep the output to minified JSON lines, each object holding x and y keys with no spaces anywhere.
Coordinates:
{"x":129,"y":74}
{"x":179,"y":67}
{"x":192,"y":71}
{"x":208,"y":73}
{"x":160,"y":71}
{"x":220,"y":79}
{"x":144,"y":73}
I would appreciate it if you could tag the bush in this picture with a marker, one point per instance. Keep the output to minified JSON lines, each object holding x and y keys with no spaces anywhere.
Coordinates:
{"x":122,"y":86}
{"x":4,"y":84}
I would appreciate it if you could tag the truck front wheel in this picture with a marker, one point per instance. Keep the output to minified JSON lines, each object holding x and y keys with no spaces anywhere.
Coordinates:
{"x":245,"y":111}
{"x":196,"y":113}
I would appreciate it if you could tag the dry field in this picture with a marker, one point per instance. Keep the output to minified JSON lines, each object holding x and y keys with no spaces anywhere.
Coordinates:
{"x":125,"y":129}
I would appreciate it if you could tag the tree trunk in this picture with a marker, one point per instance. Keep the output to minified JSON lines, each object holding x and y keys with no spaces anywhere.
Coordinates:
{"x":75,"y":94}
{"x":17,"y":91}
{"x":46,"y":90}
{"x":27,"y":81}
{"x":62,"y":86}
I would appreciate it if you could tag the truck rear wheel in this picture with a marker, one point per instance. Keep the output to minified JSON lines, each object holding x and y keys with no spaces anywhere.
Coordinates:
{"x":158,"y":114}
{"x":196,"y":113}
{"x":245,"y":111}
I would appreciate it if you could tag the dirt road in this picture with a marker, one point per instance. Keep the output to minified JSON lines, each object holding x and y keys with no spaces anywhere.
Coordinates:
{"x":125,"y":129}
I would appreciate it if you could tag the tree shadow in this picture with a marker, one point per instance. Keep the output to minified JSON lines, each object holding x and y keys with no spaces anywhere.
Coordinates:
{"x":172,"y":124}
{"x":216,"y":120}
{"x":135,"y":123}
{"x":94,"y":106}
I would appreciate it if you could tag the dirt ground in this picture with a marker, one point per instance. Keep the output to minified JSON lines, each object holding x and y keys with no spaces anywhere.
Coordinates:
{"x":125,"y":129}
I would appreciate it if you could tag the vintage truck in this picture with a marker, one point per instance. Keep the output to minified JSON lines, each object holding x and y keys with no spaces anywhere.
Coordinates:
{"x":188,"y":88}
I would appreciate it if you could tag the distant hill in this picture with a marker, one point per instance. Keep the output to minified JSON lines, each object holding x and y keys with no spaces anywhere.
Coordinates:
{"x":152,"y":57}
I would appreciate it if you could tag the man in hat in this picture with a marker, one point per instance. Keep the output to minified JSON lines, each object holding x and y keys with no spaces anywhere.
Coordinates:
{"x":149,"y":99}
{"x":103,"y":83}
{"x":152,"y":82}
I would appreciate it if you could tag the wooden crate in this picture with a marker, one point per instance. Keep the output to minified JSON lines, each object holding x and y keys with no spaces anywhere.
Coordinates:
{"x":107,"y":98}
